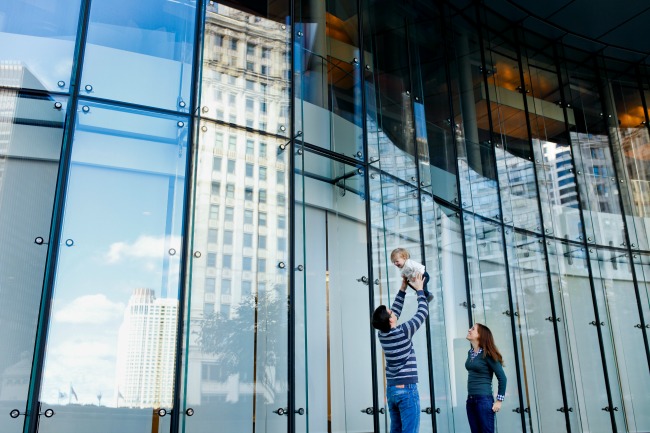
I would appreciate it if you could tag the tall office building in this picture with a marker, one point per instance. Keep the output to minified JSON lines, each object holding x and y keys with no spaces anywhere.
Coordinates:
{"x":145,"y":353}
{"x":198,"y":202}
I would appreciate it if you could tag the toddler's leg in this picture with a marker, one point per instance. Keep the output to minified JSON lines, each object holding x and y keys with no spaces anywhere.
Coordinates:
{"x":424,"y":287}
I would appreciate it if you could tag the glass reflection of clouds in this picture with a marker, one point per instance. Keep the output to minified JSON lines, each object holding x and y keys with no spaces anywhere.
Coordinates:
{"x":124,"y":211}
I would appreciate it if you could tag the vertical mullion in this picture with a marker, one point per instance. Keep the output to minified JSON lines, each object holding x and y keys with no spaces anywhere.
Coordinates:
{"x":188,"y":212}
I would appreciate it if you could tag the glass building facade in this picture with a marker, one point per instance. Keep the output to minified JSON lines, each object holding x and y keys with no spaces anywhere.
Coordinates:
{"x":198,"y":201}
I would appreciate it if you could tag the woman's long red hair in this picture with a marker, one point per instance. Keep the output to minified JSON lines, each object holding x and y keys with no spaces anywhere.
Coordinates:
{"x":486,"y":342}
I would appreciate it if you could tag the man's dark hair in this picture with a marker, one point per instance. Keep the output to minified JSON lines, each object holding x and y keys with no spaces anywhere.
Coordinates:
{"x":381,"y":319}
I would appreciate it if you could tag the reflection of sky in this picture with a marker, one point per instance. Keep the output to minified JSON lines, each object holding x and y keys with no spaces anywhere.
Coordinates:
{"x":138,"y":52}
{"x":40,"y":36}
{"x":100,"y":217}
{"x":122,"y":222}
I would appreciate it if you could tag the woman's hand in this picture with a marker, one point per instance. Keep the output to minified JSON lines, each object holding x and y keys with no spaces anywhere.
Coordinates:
{"x":496,"y":407}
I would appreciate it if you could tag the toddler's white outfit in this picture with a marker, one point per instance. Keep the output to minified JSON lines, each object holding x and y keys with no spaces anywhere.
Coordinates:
{"x":411,"y":268}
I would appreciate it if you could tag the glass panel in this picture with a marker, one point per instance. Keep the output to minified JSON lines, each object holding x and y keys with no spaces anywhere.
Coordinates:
{"x":236,"y":363}
{"x":37,"y":40}
{"x":536,"y":321}
{"x":447,"y":317}
{"x":245,"y":76}
{"x":590,"y":141}
{"x":332,"y":298}
{"x":515,"y":163}
{"x":140,"y":52}
{"x":397,"y":225}
{"x":633,"y":149}
{"x":548,"y":117}
{"x":31,"y":131}
{"x":490,"y":306}
{"x":433,"y":134}
{"x":476,"y":158}
{"x":111,"y":345}
{"x":327,"y":57}
{"x":237,"y":323}
{"x":568,"y":262}
{"x":390,"y":121}
{"x":300,"y":355}
{"x":642,"y":268}
{"x":381,"y":269}
{"x":623,"y":343}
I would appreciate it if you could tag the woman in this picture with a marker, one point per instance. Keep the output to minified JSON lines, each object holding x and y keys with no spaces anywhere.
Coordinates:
{"x":483,"y":360}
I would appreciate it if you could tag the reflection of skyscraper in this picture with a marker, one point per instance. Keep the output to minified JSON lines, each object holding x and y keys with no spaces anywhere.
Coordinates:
{"x":635,"y":146}
{"x":146,"y":348}
{"x":599,"y":172}
{"x":30,"y":140}
{"x":560,"y":179}
{"x":241,"y":225}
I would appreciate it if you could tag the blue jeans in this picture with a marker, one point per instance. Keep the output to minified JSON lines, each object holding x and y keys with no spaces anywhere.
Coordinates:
{"x":479,"y":413}
{"x":404,"y":408}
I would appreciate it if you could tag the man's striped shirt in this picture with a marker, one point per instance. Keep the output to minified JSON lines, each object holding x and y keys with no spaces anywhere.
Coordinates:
{"x":401,"y":365}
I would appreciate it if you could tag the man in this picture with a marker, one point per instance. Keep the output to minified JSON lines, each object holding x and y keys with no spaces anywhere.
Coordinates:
{"x":401,"y":365}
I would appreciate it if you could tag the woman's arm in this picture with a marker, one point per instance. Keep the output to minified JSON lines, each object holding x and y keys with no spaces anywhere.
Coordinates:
{"x":497,"y":368}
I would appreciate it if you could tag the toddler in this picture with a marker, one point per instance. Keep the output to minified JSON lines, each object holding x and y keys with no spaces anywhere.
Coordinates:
{"x":401,"y":258}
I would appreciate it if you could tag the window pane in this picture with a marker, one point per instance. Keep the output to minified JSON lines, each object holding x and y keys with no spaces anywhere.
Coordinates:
{"x":39,"y":38}
{"x":31,"y":132}
{"x":126,"y":176}
{"x":248,"y":217}
{"x":149,"y":55}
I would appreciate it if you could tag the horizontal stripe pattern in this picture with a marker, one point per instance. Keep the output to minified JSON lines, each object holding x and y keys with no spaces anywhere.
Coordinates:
{"x":401,"y":364}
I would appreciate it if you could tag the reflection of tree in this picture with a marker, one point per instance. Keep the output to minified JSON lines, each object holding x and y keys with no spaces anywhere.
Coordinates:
{"x":253,"y":336}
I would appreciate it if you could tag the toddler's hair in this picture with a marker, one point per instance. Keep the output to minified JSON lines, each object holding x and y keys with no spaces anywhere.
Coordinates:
{"x":402,"y":252}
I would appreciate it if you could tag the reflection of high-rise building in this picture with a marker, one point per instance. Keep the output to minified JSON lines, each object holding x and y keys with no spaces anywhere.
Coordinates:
{"x":242,"y":227}
{"x":258,"y":161}
{"x":560,"y":179}
{"x":598,"y":169}
{"x":635,"y":146}
{"x":29,"y":151}
{"x":146,"y":347}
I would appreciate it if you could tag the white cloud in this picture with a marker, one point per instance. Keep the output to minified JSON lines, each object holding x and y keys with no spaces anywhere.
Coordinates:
{"x":85,"y":362}
{"x":145,"y":247}
{"x":90,"y":309}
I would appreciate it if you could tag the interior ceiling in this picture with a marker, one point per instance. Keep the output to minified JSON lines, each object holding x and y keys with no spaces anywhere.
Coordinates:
{"x":617,"y":28}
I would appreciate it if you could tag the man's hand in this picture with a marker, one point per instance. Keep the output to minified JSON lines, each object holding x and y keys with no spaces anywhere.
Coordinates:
{"x":417,"y":283}
{"x":496,"y":407}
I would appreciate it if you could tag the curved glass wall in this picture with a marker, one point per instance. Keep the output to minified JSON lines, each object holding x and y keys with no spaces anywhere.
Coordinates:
{"x":199,"y":200}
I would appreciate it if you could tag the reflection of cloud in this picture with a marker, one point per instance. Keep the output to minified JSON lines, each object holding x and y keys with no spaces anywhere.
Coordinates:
{"x":86,"y":362}
{"x":143,"y":247}
{"x":90,"y":309}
